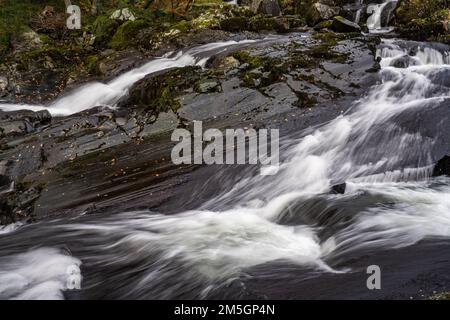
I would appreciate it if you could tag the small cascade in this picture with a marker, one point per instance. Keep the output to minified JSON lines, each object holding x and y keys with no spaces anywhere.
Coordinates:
{"x":380,"y":16}
{"x":358,"y":12}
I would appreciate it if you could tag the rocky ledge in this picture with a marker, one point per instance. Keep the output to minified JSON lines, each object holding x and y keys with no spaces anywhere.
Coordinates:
{"x":120,"y":159}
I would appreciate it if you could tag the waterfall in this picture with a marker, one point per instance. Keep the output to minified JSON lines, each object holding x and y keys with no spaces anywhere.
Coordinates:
{"x":287,"y":217}
{"x":95,"y":94}
{"x":374,"y":21}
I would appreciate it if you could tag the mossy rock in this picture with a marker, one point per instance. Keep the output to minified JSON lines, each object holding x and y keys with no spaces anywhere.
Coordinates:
{"x":234,"y":24}
{"x":104,"y":28}
{"x":126,"y":33}
{"x":287,"y":6}
{"x":158,"y":93}
{"x":305,"y":100}
{"x":340,"y":24}
{"x":326,"y":24}
{"x":265,"y":23}
{"x":263,"y":71}
{"x":93,"y":65}
{"x":301,"y":60}
{"x":326,"y":52}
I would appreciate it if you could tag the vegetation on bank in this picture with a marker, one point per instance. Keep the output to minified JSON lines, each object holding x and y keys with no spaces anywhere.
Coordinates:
{"x":39,"y":56}
{"x":424,"y":20}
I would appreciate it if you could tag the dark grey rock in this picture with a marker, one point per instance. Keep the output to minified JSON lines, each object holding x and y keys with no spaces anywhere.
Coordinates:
{"x":442,"y":167}
{"x":338,"y":188}
{"x":341,"y":24}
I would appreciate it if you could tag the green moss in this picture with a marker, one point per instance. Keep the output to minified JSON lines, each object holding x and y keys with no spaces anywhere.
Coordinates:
{"x":234,"y":24}
{"x":125,"y":34}
{"x":245,"y":57}
{"x":184,"y":26}
{"x":93,"y":65}
{"x":264,"y":23}
{"x":329,"y":38}
{"x":287,"y":6}
{"x":301,"y":60}
{"x":423,"y":20}
{"x":15,"y":16}
{"x":158,"y":93}
{"x":324,"y":51}
{"x":104,"y":28}
{"x":263,"y":71}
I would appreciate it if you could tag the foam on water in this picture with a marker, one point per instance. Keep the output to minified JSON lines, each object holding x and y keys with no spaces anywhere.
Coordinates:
{"x":42,"y":274}
{"x":10,"y":228}
{"x":241,"y":228}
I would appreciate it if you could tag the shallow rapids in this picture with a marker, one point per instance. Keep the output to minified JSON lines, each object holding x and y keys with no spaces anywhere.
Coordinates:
{"x":391,"y":201}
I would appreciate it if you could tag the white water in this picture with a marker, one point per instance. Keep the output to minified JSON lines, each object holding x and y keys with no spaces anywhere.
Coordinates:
{"x":196,"y":250}
{"x":374,"y":20}
{"x":108,"y":94}
{"x":10,"y":228}
{"x":41,"y":274}
{"x":242,"y":229}
{"x":338,"y":151}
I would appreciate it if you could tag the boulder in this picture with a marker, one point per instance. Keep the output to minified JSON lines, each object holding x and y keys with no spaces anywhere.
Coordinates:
{"x":158,"y":93}
{"x":341,"y":24}
{"x":319,"y":12}
{"x":269,"y":7}
{"x":404,"y":62}
{"x":338,"y":188}
{"x":234,"y":24}
{"x":207,"y":85}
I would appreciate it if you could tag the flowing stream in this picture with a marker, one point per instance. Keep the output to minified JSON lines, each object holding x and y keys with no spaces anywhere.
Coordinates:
{"x":391,"y":201}
{"x":375,"y":20}
{"x":95,"y":94}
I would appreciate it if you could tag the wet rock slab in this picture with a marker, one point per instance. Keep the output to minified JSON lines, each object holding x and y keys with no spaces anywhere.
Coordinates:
{"x":118,"y":160}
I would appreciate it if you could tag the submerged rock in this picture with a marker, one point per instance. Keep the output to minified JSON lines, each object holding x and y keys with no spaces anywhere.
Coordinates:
{"x":404,"y":62}
{"x":338,"y":188}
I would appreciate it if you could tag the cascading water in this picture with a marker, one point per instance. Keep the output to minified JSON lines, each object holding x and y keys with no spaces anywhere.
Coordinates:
{"x":100,"y":94}
{"x":288,"y":217}
{"x":375,"y":21}
{"x":358,"y":12}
